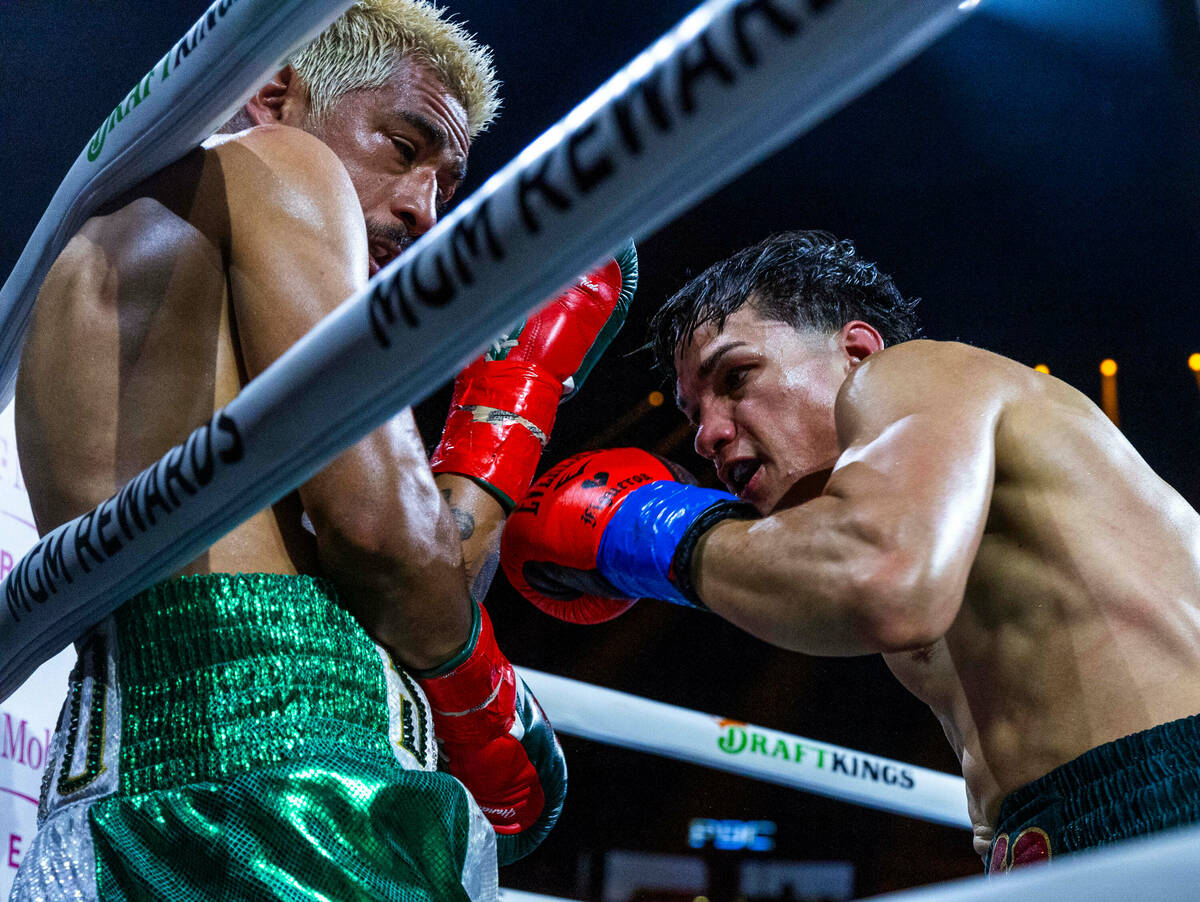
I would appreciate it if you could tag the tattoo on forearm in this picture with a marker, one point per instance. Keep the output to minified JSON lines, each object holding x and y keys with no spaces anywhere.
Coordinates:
{"x":466,"y":523}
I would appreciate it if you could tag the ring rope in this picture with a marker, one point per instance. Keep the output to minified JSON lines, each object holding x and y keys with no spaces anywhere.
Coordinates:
{"x":629,"y":721}
{"x":1158,"y":868}
{"x":735,"y":79}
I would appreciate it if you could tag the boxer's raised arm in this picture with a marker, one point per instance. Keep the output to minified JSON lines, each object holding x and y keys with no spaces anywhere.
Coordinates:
{"x":879,"y":561}
{"x":297,"y":248}
{"x":505,"y":404}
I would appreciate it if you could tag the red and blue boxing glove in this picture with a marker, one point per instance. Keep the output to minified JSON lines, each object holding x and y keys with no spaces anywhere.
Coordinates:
{"x":605,"y":528}
{"x":495,"y":738}
{"x":504,"y":404}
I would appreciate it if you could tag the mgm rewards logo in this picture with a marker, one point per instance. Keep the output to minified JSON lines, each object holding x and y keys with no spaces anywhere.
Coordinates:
{"x":740,"y":738}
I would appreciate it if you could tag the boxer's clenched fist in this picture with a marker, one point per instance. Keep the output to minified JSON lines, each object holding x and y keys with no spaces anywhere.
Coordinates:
{"x":604,"y":528}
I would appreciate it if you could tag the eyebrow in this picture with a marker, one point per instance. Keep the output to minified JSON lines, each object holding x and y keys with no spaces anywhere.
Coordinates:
{"x":435,"y":136}
{"x":706,"y":368}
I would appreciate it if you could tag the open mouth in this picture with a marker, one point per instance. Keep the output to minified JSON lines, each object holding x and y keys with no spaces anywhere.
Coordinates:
{"x":739,"y":474}
{"x":381,"y":253}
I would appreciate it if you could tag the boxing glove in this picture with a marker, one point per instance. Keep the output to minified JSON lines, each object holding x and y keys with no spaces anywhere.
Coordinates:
{"x":494,"y":737}
{"x":504,"y":404}
{"x":604,"y":528}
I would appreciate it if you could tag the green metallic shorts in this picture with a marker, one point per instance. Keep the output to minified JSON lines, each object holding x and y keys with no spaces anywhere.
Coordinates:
{"x":240,"y":737}
{"x":1138,"y":784}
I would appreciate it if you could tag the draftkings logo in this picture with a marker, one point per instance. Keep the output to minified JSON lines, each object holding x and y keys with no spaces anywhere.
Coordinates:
{"x":739,"y":738}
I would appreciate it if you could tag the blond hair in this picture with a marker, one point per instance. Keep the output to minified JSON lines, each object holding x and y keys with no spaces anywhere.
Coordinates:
{"x":361,"y":49}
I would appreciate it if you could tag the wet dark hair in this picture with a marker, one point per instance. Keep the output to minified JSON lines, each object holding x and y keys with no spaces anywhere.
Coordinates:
{"x":808,"y":279}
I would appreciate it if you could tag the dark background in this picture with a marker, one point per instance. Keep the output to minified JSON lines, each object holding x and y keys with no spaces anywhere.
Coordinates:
{"x":1032,"y":176}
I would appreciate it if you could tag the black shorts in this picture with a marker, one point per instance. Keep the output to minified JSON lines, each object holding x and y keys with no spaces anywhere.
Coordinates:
{"x":1138,"y":784}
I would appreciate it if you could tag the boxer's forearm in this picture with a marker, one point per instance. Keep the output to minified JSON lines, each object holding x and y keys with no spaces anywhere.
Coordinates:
{"x":389,"y":543}
{"x":480,"y":520}
{"x":818,"y":578}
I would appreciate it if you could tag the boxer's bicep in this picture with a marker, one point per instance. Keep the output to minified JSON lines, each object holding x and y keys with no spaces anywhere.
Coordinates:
{"x":918,"y":465}
{"x":297,"y":240}
{"x":297,"y":250}
{"x":879,"y":561}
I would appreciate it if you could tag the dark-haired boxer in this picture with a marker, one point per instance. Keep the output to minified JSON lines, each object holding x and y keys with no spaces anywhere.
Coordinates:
{"x":984,"y":526}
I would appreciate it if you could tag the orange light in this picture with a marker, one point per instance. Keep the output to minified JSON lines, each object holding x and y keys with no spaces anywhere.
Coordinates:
{"x":1108,"y":391}
{"x":1042,"y":368}
{"x":656,"y":399}
{"x":1194,"y":363}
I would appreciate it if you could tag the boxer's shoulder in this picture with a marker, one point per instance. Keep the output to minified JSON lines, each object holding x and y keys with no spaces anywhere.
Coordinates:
{"x":920,"y":374}
{"x":276,"y":166}
{"x":928,"y":360}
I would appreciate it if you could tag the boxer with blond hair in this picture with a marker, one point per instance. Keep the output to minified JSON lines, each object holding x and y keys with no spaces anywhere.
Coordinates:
{"x":263,"y":724}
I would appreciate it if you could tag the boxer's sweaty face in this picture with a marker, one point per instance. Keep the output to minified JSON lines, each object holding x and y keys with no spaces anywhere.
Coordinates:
{"x":405,"y":146}
{"x":761,"y":396}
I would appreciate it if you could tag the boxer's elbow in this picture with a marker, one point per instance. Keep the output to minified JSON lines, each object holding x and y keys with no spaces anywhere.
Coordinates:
{"x":897,"y":602}
{"x":378,"y":546}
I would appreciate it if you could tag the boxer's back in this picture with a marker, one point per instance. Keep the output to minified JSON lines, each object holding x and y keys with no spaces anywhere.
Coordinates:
{"x":131,"y":346}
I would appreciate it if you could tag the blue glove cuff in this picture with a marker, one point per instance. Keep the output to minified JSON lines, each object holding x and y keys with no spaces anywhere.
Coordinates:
{"x":640,"y":541}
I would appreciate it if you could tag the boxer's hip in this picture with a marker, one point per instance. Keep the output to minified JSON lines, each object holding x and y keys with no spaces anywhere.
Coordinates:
{"x":231,"y":734}
{"x":204,"y":677}
{"x":1135,"y":785}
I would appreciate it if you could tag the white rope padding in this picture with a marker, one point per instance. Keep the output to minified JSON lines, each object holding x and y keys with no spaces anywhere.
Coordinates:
{"x":188,"y":94}
{"x":617,"y":718}
{"x":732,"y":82}
{"x":1160,"y":868}
{"x":1164,"y":867}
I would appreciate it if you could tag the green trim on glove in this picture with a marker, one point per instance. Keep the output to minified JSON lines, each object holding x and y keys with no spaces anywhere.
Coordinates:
{"x":460,"y":656}
{"x":508,"y":504}
{"x":627,"y":259}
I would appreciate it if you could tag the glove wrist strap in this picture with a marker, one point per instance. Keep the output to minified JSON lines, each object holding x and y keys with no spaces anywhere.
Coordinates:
{"x":681,"y":561}
{"x":475,"y":699}
{"x":647,"y":545}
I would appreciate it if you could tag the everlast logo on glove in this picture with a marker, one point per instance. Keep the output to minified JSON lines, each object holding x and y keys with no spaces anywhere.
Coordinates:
{"x":622,"y":526}
{"x":606,"y":499}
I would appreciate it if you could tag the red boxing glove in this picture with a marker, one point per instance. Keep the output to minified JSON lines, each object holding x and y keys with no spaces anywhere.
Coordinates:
{"x":496,"y":740}
{"x":551,"y":541}
{"x":504,"y":404}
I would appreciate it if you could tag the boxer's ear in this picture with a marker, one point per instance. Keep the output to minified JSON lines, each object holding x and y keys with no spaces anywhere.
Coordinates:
{"x":281,"y":101}
{"x":859,"y":340}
